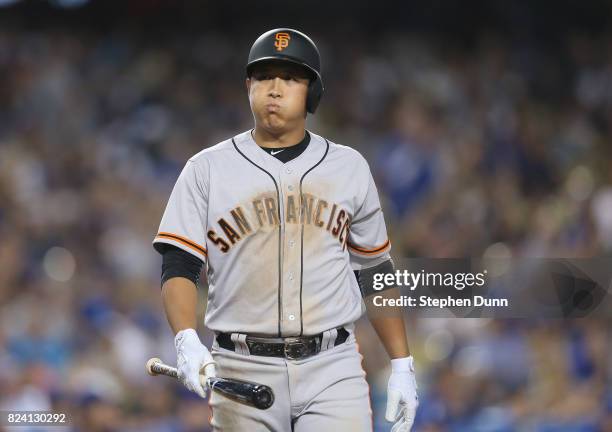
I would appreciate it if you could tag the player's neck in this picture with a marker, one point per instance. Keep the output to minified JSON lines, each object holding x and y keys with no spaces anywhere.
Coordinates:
{"x":265,"y":138}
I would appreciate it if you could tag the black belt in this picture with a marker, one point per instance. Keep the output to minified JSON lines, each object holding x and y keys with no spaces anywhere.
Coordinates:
{"x":292,"y":348}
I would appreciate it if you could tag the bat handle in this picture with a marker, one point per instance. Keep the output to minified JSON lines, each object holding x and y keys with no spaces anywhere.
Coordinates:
{"x":156,"y":367}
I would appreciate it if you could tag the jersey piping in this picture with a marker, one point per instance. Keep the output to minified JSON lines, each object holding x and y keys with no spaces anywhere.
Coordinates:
{"x":184,"y":241}
{"x":302,"y":237}
{"x":373,"y":251}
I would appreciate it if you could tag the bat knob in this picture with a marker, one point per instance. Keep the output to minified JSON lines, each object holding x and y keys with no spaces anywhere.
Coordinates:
{"x":150,"y":364}
{"x":263,"y":397}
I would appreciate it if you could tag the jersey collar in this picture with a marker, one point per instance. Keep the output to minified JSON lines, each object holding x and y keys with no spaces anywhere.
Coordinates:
{"x":312,"y":156}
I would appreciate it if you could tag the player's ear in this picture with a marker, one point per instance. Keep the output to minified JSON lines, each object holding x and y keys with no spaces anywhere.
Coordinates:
{"x":247,"y":82}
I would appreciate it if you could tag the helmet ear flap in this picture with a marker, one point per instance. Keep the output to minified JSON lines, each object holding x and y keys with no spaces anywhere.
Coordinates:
{"x":315,"y":91}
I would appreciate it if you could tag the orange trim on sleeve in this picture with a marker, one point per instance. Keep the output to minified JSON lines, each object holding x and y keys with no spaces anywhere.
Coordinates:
{"x":183,"y":241}
{"x":374,"y":251}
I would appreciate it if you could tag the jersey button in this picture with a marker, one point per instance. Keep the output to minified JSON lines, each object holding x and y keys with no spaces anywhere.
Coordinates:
{"x":291,"y":243}
{"x":291,"y":317}
{"x":290,"y":187}
{"x":290,"y":276}
{"x":289,"y":171}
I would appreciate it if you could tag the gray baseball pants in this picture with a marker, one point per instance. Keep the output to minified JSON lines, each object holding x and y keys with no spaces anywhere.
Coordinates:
{"x":325,"y":392}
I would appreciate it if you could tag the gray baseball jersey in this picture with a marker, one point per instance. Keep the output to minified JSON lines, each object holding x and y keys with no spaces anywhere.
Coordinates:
{"x":280,"y":240}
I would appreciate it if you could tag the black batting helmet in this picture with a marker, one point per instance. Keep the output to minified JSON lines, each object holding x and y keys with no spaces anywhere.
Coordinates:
{"x":291,"y":45}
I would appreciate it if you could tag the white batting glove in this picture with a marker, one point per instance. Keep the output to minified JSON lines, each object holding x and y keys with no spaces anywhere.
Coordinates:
{"x":191,"y":357}
{"x":402,"y":399}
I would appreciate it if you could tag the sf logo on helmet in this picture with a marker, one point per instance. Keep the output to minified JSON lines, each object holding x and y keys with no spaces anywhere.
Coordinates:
{"x":282,"y":41}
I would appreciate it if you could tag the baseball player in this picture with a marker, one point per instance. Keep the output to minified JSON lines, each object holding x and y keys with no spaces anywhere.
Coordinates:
{"x":290,"y":228}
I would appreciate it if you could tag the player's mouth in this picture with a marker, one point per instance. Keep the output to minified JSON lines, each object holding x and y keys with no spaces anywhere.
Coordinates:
{"x":272,"y":107}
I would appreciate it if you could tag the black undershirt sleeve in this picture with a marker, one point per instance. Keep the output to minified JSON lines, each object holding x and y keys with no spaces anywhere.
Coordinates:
{"x":365,"y":277}
{"x":179,"y":263}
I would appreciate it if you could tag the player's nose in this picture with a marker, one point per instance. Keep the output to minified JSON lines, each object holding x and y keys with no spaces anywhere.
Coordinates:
{"x":275,"y":87}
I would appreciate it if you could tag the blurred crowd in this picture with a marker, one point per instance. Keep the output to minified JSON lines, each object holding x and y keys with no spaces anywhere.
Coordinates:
{"x":500,"y":148}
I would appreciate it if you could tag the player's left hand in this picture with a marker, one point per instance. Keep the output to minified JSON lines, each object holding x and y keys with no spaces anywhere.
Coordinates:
{"x":402,"y":399}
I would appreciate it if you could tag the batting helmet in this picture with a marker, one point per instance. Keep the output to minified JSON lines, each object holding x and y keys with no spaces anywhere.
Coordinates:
{"x":293,"y":46}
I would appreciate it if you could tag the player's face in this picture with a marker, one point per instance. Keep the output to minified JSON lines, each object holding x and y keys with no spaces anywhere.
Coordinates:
{"x":277,"y":93}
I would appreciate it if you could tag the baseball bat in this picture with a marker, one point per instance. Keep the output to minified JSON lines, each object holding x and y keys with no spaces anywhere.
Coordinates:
{"x":245,"y":392}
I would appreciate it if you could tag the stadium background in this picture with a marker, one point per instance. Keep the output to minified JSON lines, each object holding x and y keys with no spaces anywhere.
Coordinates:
{"x":487,"y":125}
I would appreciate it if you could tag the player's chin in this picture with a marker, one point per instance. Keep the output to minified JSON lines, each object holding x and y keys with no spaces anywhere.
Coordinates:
{"x":274,"y":122}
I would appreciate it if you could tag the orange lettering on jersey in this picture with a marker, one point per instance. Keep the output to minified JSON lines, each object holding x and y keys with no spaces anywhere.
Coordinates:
{"x":320,"y":206}
{"x":222,"y":244}
{"x":306,"y":209}
{"x":243,"y":224}
{"x":309,"y":210}
{"x":291,"y":209}
{"x":281,"y":40}
{"x":339,"y":221}
{"x":259,"y":211}
{"x":229,"y":231}
{"x":331,"y":217}
{"x":271,"y":210}
{"x":344,"y":232}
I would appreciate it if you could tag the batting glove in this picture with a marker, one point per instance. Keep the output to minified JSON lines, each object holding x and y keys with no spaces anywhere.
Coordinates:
{"x":191,"y":358}
{"x":402,"y":399}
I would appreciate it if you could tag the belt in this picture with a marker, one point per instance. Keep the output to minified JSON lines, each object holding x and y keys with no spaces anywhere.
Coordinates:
{"x":291,"y":348}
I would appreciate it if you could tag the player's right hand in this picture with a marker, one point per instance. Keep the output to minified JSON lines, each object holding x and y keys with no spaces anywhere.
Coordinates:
{"x":191,"y":357}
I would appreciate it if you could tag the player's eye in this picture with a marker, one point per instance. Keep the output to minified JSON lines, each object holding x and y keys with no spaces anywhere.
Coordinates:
{"x":288,"y":77}
{"x":261,"y":76}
